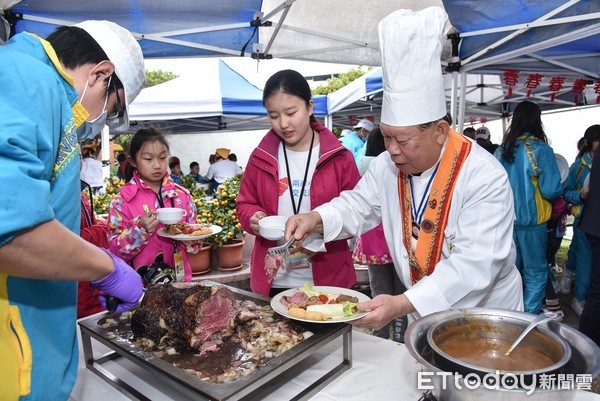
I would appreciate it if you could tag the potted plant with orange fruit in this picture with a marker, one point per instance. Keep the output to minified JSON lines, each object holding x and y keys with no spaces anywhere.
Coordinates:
{"x":220,"y":211}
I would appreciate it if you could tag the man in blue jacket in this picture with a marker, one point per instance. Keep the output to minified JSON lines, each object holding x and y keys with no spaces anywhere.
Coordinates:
{"x":354,"y":141}
{"x":55,"y":93}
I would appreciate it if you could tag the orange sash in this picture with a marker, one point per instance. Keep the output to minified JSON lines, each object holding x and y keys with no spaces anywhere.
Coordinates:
{"x":431,"y":235}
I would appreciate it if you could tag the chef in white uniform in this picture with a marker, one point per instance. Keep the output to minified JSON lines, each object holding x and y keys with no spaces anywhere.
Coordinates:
{"x":445,"y":203}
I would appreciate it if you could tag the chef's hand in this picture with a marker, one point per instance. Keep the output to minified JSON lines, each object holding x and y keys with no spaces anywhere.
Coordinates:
{"x":255,"y":219}
{"x":122,"y":283}
{"x":149,"y":221}
{"x":301,"y":225}
{"x":382,"y":310}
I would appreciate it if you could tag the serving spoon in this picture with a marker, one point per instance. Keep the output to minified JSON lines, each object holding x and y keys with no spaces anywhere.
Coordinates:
{"x":535,"y":322}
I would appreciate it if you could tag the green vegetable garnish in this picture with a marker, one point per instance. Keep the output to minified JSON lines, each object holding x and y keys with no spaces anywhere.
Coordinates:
{"x":309,"y":290}
{"x":349,"y":308}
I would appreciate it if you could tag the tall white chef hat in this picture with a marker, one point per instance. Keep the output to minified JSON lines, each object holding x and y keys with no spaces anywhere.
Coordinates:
{"x":411,"y":49}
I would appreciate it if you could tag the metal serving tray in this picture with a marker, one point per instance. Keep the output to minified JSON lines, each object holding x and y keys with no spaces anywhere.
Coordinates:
{"x":244,"y":388}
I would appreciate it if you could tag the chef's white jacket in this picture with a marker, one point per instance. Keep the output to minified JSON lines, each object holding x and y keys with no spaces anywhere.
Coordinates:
{"x":477,"y":267}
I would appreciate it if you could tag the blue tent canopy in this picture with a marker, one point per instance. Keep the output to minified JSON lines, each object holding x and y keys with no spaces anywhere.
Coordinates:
{"x":164,"y":29}
{"x":552,"y":37}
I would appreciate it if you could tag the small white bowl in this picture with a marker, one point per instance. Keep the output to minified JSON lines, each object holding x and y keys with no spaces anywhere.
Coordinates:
{"x":170,"y":215}
{"x":272,"y":227}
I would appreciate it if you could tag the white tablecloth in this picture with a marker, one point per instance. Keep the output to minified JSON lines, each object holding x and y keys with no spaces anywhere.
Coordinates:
{"x":382,"y":370}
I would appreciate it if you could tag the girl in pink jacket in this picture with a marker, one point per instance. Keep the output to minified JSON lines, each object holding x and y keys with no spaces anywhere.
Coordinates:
{"x":298,"y":165}
{"x":132,"y":214}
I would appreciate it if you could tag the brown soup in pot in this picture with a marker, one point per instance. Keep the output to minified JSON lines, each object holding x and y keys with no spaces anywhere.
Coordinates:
{"x":489,"y":353}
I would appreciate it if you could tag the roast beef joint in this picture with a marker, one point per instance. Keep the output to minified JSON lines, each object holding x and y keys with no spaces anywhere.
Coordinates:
{"x":207,"y":332}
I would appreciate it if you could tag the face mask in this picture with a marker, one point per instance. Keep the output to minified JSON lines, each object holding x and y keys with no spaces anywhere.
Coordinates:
{"x":89,"y":129}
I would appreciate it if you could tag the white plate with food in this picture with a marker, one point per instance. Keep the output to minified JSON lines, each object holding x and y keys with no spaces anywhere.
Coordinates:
{"x":326,"y":310}
{"x":188,"y":232}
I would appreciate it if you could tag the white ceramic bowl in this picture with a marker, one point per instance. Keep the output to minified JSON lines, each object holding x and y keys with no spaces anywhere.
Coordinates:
{"x":272,"y":227}
{"x":170,"y":215}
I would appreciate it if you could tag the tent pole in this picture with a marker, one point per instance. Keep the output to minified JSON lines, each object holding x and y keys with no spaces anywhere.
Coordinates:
{"x":453,"y":97}
{"x":105,"y":141}
{"x":329,"y":122}
{"x":461,"y":105}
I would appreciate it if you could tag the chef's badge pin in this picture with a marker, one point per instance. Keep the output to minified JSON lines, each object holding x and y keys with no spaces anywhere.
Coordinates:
{"x":427,"y":226}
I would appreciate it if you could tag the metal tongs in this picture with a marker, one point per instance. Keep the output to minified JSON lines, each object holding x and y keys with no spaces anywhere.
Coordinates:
{"x":282,"y":249}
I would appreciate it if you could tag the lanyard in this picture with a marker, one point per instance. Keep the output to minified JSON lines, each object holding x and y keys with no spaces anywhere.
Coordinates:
{"x":287,"y":168}
{"x":418,"y":212}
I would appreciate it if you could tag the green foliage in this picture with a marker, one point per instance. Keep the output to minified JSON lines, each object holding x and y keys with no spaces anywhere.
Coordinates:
{"x":221,"y":211}
{"x":155,"y":77}
{"x":123,"y":140}
{"x":189,"y":183}
{"x":338,"y":82}
{"x":103,"y":198}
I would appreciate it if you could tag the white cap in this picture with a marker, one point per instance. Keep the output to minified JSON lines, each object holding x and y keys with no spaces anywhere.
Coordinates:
{"x":126,"y":54}
{"x":345,"y":132}
{"x":364,"y":123}
{"x":482,"y":133}
{"x":411,"y":49}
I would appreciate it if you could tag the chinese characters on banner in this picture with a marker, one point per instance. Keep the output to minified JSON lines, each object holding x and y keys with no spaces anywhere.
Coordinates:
{"x":555,"y":85}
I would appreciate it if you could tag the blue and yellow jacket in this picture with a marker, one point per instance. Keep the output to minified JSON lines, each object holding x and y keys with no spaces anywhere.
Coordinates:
{"x":534,"y":178}
{"x":578,"y":172}
{"x":39,"y":174}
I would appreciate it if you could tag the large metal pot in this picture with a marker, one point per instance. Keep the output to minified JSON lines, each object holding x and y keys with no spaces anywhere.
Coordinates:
{"x":585,"y":359}
{"x":477,"y":343}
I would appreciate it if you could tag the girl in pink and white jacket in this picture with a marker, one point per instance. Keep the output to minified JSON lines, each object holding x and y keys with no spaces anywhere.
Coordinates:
{"x":298,"y":165}
{"x":132,"y":214}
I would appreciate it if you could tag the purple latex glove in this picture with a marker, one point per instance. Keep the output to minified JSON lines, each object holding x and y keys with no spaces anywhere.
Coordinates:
{"x":122,"y":283}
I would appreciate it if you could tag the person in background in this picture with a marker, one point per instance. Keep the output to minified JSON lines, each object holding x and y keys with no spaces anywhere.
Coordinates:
{"x":580,"y":143}
{"x":55,"y":93}
{"x":94,"y":232}
{"x":91,"y":167}
{"x":445,"y":203}
{"x":535,"y":181}
{"x":233,"y":158}
{"x":469,"y":132}
{"x":556,"y":229}
{"x":122,"y":160}
{"x":299,"y":164}
{"x":222,"y":168}
{"x":371,"y":249}
{"x":354,"y":141}
{"x":175,"y":168}
{"x":566,"y":282}
{"x":132,"y":215}
{"x":482,"y":137}
{"x":195,"y":172}
{"x":589,"y":223}
{"x":212,"y":159}
{"x":579,"y":257}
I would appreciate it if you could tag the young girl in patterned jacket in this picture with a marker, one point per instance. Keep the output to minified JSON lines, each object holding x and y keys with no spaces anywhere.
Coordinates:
{"x":132,"y":215}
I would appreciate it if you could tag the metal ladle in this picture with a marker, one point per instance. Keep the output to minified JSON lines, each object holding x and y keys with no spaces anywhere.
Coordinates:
{"x":537,"y":321}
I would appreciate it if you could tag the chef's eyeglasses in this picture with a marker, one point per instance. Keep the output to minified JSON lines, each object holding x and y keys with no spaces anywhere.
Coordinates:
{"x":119,"y":108}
